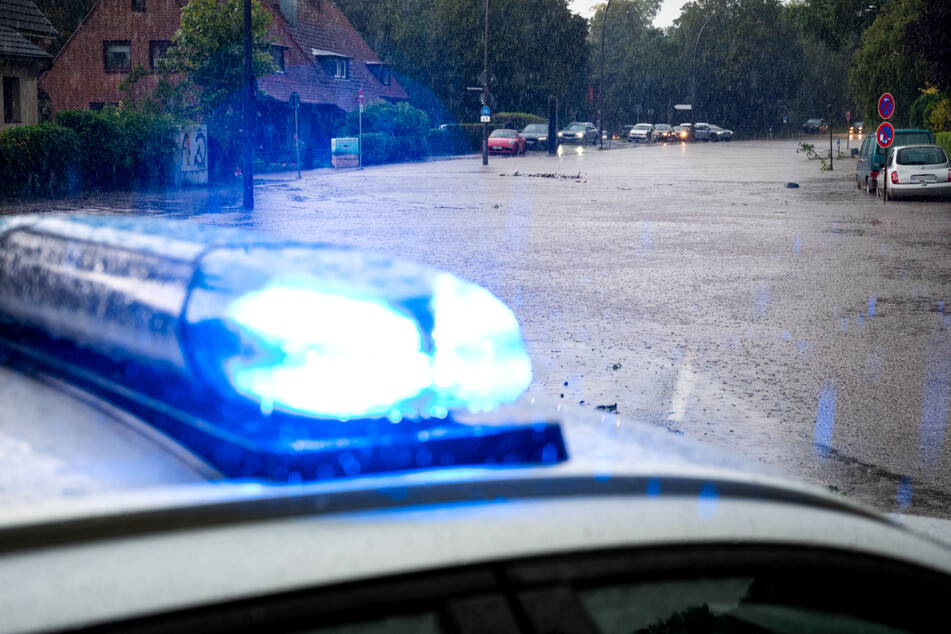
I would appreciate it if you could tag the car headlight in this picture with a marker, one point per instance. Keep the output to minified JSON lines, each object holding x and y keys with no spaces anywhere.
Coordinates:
{"x":511,"y":143}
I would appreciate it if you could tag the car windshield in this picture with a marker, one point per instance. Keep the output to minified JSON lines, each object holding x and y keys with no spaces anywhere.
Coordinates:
{"x":749,"y":288}
{"x":921,"y":156}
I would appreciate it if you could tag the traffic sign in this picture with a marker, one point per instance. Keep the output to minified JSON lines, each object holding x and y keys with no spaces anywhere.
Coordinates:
{"x":486,"y":111}
{"x":485,"y":119}
{"x":683,"y":106}
{"x":848,"y":115}
{"x":360,"y":98}
{"x":885,"y":134}
{"x":294,"y":100}
{"x":886,"y":105}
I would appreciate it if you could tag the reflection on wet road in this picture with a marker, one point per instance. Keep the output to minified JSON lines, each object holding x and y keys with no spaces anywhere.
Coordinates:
{"x":805,"y":328}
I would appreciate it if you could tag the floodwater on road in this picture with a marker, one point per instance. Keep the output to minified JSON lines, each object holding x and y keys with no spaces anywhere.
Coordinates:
{"x":684,"y":286}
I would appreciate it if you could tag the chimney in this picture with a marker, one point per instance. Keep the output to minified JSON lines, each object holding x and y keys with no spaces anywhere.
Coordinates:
{"x":289,"y":11}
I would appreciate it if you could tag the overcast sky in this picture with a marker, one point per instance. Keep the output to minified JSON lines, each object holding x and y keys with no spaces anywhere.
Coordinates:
{"x":665,"y":17}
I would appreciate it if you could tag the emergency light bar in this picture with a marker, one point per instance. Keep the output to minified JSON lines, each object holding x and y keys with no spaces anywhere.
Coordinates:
{"x":266,"y":357}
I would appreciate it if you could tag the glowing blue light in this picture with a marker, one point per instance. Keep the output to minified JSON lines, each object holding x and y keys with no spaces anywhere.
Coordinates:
{"x":343,"y":352}
{"x":479,"y":357}
{"x":342,"y":356}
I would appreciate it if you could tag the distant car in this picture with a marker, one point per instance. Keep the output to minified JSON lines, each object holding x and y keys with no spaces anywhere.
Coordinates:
{"x":506,"y":142}
{"x":815,"y":126}
{"x":641,"y":133}
{"x":857,"y":128}
{"x":682,"y":132}
{"x":663,"y":133}
{"x":703,"y":132}
{"x":721,"y":134}
{"x":871,"y":156}
{"x":579,"y":132}
{"x":536,"y":136}
{"x":913,"y":171}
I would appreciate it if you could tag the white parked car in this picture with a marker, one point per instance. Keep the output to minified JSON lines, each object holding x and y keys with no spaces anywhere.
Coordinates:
{"x":641,"y":133}
{"x":913,"y":171}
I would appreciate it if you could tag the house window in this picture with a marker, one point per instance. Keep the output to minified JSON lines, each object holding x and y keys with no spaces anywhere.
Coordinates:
{"x":277,"y":54}
{"x":117,"y":56}
{"x":157,"y":51}
{"x":11,"y":100}
{"x":138,"y":5}
{"x":380,"y":71}
{"x":341,"y":68}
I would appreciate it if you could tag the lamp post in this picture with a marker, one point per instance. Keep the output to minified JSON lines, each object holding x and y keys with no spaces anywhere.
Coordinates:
{"x":247,"y":166}
{"x":693,"y":80}
{"x":485,"y":87}
{"x":604,"y":22}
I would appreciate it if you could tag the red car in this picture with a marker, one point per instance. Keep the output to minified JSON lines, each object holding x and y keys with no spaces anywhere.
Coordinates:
{"x":506,"y":142}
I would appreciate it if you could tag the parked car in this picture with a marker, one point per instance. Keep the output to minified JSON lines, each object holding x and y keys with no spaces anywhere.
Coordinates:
{"x":504,"y":141}
{"x":703,"y":132}
{"x":871,"y":156}
{"x":815,"y":126}
{"x":536,"y":136}
{"x":663,"y":133}
{"x":641,"y":133}
{"x":721,"y":134}
{"x":170,"y":464}
{"x":582,"y":132}
{"x":915,"y":171}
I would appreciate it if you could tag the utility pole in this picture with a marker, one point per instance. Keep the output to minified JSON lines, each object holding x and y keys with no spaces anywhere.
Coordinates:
{"x":247,"y":170}
{"x":604,"y":22}
{"x":485,"y":87}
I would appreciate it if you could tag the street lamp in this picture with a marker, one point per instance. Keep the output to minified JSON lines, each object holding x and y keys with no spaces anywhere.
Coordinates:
{"x":693,"y":80}
{"x":604,"y":22}
{"x":485,"y":87}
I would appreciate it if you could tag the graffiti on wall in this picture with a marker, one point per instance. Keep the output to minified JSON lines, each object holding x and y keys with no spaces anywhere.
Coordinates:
{"x":194,"y":149}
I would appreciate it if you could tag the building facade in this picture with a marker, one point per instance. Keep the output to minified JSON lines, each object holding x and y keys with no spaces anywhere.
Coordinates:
{"x":22,"y":29}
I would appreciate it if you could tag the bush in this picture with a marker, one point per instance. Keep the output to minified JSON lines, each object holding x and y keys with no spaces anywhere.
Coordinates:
{"x":519,"y":119}
{"x":38,"y":159}
{"x":121,"y":148}
{"x":473,"y":132}
{"x":379,"y":148}
{"x":944,"y":140}
{"x":399,"y":120}
{"x":413,"y":148}
{"x":449,"y":140}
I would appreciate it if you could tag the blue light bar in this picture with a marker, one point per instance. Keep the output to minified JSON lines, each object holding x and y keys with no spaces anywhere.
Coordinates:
{"x":266,"y":357}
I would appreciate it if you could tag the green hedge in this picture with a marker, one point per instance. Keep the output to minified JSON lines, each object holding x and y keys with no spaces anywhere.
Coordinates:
{"x":449,"y":140}
{"x":121,"y":148}
{"x":380,"y":148}
{"x":38,"y":159}
{"x":519,"y":119}
{"x":944,"y":140}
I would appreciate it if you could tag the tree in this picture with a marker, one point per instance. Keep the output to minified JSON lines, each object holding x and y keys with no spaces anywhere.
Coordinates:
{"x":928,"y":37}
{"x":65,"y":16}
{"x":885,"y":64}
{"x":208,"y":51}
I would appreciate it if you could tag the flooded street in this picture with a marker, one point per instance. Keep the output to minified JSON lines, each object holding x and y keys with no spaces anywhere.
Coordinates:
{"x":684,"y":286}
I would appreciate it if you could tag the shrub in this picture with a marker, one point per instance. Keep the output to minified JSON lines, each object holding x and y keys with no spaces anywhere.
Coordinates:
{"x":413,"y":148}
{"x":399,"y":120}
{"x":121,"y":148}
{"x":519,"y":119}
{"x":473,"y":132}
{"x":944,"y":140}
{"x":449,"y":140}
{"x":379,"y":148}
{"x":38,"y":159}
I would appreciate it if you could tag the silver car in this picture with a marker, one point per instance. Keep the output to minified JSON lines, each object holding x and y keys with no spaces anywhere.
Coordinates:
{"x":581,"y":132}
{"x":641,"y":133}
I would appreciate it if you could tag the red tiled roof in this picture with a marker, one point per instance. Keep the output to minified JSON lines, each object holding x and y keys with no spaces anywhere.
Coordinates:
{"x":322,"y":26}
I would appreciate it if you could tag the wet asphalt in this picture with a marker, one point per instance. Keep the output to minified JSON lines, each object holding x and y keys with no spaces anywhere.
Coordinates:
{"x":685,"y":286}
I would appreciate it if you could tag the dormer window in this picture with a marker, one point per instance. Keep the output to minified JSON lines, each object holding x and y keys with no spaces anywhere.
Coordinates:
{"x":381,"y":71}
{"x":138,"y":6}
{"x":335,"y":64}
{"x":277,"y":56}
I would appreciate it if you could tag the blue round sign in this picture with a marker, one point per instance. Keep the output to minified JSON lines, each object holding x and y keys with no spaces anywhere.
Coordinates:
{"x":486,"y":111}
{"x":886,"y":105}
{"x":885,"y":134}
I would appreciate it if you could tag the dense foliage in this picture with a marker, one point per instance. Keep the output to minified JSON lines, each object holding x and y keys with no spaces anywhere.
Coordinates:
{"x":38,"y":159}
{"x":120,"y":148}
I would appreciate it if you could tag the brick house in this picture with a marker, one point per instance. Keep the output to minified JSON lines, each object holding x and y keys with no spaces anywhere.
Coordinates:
{"x":319,"y":54}
{"x":22,"y":27}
